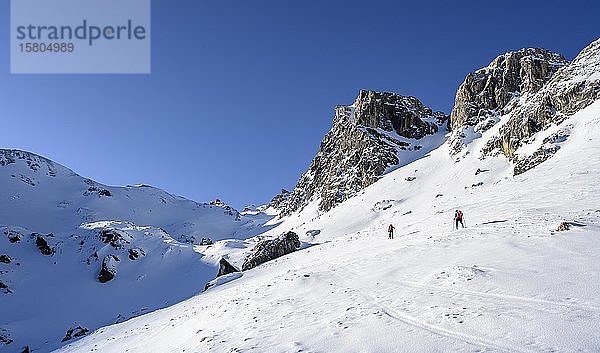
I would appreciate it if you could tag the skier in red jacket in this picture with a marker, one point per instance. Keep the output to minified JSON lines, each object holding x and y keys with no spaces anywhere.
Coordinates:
{"x":458,"y":218}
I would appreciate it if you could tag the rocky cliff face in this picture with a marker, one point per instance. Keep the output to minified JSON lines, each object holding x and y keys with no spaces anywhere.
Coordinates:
{"x":488,"y":93}
{"x":362,"y":145}
{"x":572,"y":88}
{"x":270,"y":249}
{"x":532,"y":90}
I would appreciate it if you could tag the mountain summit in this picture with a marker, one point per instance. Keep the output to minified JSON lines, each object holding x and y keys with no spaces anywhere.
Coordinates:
{"x":380,"y":131}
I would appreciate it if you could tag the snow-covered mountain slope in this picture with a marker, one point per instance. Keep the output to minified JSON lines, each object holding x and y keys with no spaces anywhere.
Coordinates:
{"x":509,"y":282}
{"x":77,"y":253}
{"x":380,"y":131}
{"x":61,"y":200}
{"x":522,"y":277}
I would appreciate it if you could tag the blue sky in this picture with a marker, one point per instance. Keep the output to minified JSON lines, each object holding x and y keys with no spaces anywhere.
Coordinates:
{"x":241,"y":92}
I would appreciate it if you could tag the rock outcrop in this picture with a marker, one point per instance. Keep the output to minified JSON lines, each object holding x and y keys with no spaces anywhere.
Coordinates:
{"x":13,"y":236}
{"x":113,"y":237}
{"x":228,"y":210}
{"x":43,"y":246}
{"x":572,"y":88}
{"x":226,"y":268}
{"x":109,"y":268}
{"x":563,"y":227}
{"x":362,"y":145}
{"x":267,"y":250}
{"x":488,"y":93}
{"x":135,"y":253}
{"x":532,"y":89}
{"x":279,"y":201}
{"x":5,"y":337}
{"x":5,"y":259}
{"x":75,"y":332}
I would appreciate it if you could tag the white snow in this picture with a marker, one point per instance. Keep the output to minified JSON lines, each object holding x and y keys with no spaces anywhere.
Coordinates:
{"x":509,"y":282}
{"x":47,"y":295}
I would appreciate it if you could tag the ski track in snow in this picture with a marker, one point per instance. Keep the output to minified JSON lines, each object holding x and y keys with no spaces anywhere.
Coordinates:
{"x":413,"y":321}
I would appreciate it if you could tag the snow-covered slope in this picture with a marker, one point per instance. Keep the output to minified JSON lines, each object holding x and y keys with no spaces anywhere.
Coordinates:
{"x":509,"y":282}
{"x":522,"y":277}
{"x":60,"y":199}
{"x":62,"y":235}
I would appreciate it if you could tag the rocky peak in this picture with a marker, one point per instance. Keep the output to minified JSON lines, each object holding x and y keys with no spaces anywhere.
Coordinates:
{"x":487,"y":93}
{"x":362,"y":145}
{"x":280,"y":199}
{"x":570,"y":89}
{"x":227,"y":209}
{"x":388,"y":111}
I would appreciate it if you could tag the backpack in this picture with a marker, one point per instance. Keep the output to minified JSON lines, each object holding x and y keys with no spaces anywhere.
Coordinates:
{"x":459,"y":215}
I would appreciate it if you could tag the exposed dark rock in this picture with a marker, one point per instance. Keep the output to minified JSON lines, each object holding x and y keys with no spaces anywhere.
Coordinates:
{"x":136,"y":253}
{"x":97,"y":190}
{"x":42,"y":244}
{"x":479,"y":171}
{"x":25,"y":350}
{"x":4,"y":335}
{"x":113,"y":237}
{"x":547,"y":150}
{"x":105,"y":192}
{"x":2,"y":285}
{"x":411,"y":178}
{"x":267,"y":250}
{"x":218,"y":202}
{"x":13,"y":237}
{"x":75,"y":332}
{"x":529,"y":162}
{"x":570,"y":89}
{"x":563,"y":226}
{"x":5,"y":259}
{"x":184,"y":238}
{"x":362,"y":144}
{"x":109,"y":268}
{"x":489,"y":92}
{"x":228,"y":210}
{"x":279,"y":201}
{"x":206,"y":241}
{"x":226,"y":268}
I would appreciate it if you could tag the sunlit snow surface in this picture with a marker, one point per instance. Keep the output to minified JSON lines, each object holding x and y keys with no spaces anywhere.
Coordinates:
{"x":47,"y":295}
{"x":509,"y":282}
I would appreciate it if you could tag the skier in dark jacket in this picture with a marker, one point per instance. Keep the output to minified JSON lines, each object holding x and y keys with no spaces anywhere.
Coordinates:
{"x":391,"y":232}
{"x":458,"y":218}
